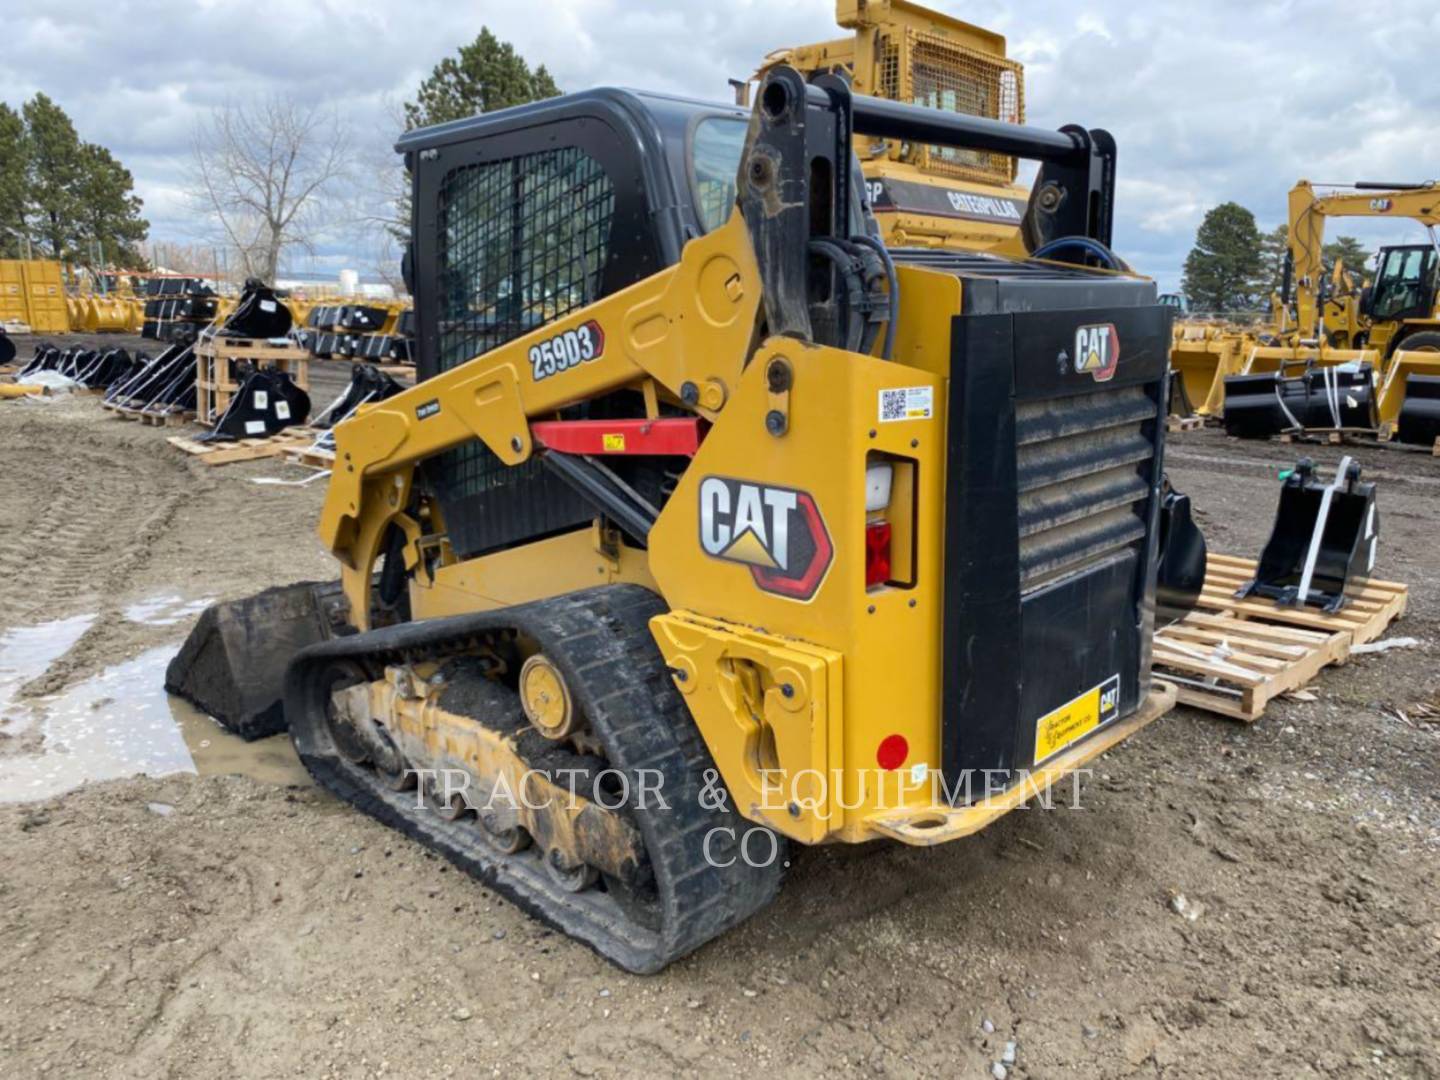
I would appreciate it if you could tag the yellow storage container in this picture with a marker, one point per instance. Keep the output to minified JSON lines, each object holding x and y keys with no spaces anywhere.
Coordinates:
{"x":32,"y":291}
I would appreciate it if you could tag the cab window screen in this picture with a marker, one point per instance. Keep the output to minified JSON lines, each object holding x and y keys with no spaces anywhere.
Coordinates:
{"x":715,"y":151}
{"x":522,"y":241}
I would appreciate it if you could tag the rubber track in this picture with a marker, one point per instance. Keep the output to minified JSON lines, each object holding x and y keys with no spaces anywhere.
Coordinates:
{"x":601,"y":642}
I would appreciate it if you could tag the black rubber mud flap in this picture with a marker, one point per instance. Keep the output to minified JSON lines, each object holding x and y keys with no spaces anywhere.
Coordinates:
{"x":232,"y":666}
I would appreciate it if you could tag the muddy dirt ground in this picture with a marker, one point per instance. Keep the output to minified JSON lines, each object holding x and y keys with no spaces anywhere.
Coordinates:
{"x":249,"y":926}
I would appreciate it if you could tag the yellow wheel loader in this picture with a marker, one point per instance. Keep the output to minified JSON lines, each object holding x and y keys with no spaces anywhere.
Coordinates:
{"x":713,"y":525}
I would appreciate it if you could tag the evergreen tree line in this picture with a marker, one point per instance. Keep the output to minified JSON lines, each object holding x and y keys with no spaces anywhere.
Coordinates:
{"x":61,"y":197}
{"x":1235,"y":267}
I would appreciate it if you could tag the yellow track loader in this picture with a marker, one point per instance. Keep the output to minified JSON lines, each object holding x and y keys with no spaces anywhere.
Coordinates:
{"x":715,"y":525}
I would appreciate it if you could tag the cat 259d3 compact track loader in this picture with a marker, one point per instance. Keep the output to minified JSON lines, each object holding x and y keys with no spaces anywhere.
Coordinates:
{"x":713,"y":525}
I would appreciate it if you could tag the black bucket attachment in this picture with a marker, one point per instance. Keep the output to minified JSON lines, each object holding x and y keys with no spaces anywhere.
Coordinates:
{"x":1319,"y":398}
{"x":368,"y":384}
{"x":1325,"y":537}
{"x":259,"y":314}
{"x":266,"y":402}
{"x":1419,"y":420}
{"x":7,"y":348}
{"x":1180,"y":566}
{"x":232,"y":666}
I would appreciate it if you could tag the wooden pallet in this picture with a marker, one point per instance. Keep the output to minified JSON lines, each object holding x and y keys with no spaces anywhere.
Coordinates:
{"x":226,"y":453}
{"x":312,"y":457}
{"x":1370,"y":606}
{"x":1184,"y":423}
{"x":1235,"y":667}
{"x":1234,"y":656}
{"x":165,"y":419}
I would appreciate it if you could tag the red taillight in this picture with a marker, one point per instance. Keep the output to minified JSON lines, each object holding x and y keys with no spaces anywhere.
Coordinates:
{"x":892,"y":752}
{"x":877,"y":553}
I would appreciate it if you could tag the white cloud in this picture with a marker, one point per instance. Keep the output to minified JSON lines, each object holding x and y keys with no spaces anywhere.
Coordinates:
{"x":1226,"y":100}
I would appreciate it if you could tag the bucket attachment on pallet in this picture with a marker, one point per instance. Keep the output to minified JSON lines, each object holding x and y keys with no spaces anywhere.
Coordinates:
{"x":1180,"y":565}
{"x":258,"y":314}
{"x":232,"y":666}
{"x":1419,"y":420}
{"x":1324,"y":538}
{"x":267,"y":401}
{"x":1319,"y":398}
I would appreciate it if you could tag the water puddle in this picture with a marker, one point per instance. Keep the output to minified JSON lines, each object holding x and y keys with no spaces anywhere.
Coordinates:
{"x":166,"y":610}
{"x":117,"y":724}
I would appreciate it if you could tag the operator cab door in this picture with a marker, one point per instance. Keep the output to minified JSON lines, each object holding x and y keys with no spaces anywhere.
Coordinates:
{"x":1404,"y":285}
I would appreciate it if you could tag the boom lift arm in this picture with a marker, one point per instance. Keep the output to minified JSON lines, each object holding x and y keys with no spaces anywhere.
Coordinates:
{"x":1308,"y":211}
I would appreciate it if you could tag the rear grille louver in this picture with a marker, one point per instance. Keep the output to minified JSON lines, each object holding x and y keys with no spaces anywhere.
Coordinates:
{"x":1083,"y":466}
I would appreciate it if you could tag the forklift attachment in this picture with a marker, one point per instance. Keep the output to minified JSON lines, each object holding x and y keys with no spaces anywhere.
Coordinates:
{"x":1259,"y":406}
{"x":1324,"y":537}
{"x":1419,"y":420}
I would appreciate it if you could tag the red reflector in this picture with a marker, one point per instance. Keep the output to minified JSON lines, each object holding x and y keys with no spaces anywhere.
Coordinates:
{"x":877,"y":553}
{"x":892,"y":752}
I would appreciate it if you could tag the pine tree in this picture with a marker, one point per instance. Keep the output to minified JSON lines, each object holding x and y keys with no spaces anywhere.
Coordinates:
{"x":109,"y":210}
{"x":1274,"y":246}
{"x":14,"y":190}
{"x":1224,"y":270}
{"x":486,"y":75}
{"x":1348,"y":250}
{"x":55,"y":168}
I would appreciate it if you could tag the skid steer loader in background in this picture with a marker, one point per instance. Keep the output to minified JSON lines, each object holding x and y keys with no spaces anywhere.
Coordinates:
{"x":715,"y":525}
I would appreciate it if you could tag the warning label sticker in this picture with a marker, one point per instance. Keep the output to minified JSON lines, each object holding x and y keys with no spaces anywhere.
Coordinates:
{"x":907,"y":403}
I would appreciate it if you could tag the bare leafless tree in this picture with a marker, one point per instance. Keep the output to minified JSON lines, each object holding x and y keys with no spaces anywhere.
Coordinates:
{"x":263,"y":173}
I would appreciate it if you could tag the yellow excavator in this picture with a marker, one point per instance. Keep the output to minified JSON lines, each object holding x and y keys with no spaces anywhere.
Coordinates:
{"x":1386,"y":335}
{"x":713,"y":523}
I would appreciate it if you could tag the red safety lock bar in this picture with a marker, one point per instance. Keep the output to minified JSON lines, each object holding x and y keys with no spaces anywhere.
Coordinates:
{"x":672,"y":436}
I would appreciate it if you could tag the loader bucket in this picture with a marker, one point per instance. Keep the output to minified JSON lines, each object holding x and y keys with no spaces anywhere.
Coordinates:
{"x":232,"y":666}
{"x":1201,"y":357}
{"x":7,"y":348}
{"x":1419,"y":420}
{"x":1258,"y":406}
{"x":1324,"y":538}
{"x":1395,"y":389}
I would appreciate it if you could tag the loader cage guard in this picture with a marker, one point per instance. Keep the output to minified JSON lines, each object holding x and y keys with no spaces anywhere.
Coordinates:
{"x":519,"y":218}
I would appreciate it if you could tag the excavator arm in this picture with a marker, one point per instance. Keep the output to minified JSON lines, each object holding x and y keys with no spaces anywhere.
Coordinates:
{"x":1308,"y":211}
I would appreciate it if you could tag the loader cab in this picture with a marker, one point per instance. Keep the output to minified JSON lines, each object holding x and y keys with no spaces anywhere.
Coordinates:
{"x":522,"y":216}
{"x":1404,"y":285}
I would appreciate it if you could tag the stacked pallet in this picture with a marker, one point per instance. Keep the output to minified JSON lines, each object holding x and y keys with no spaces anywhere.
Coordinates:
{"x":1234,"y":657}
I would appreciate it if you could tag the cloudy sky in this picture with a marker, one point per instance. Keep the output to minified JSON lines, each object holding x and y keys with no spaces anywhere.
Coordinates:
{"x":1208,"y":101}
